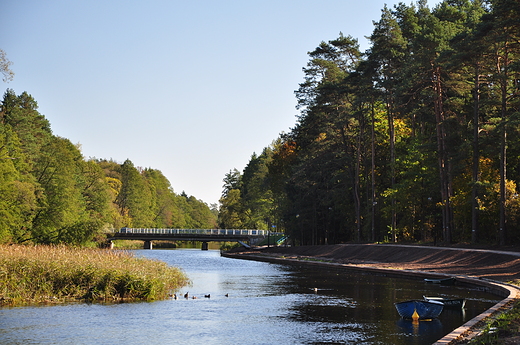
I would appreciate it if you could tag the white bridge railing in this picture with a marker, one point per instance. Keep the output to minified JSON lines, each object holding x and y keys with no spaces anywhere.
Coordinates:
{"x":242,"y":232}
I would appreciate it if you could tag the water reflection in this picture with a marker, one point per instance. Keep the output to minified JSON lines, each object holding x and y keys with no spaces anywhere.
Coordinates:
{"x":418,"y":327}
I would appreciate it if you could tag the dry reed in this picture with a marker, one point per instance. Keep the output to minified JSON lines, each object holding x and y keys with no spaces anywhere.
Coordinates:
{"x":34,"y":274}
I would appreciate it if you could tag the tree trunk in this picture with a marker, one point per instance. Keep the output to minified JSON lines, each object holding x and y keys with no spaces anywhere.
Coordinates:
{"x":503,"y":144}
{"x":445,"y":184}
{"x":391,"y":132}
{"x":476,"y":169}
{"x":373,"y":172}
{"x":356,"y":176}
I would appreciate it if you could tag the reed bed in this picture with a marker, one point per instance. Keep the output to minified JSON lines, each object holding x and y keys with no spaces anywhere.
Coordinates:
{"x":35,"y":274}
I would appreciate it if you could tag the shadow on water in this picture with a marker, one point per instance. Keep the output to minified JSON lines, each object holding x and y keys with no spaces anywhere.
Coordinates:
{"x":364,"y":304}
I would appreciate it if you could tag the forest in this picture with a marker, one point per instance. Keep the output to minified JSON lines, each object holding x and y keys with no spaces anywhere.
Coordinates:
{"x":414,"y":140}
{"x":51,"y":194}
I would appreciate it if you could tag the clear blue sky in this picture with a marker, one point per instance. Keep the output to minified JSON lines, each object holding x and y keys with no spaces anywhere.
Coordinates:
{"x":191,"y":88}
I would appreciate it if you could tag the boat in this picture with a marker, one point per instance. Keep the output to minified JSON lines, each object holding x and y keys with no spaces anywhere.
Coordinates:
{"x":442,"y":281}
{"x":455,"y":303}
{"x":419,"y":309}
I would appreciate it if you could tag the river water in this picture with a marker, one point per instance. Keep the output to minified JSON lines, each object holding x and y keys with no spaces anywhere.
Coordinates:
{"x":266,"y":304}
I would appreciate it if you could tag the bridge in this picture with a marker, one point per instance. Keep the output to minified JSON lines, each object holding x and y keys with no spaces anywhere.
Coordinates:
{"x":203,"y":235}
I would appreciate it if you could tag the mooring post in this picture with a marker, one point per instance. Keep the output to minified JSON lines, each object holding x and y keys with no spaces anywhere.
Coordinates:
{"x":148,"y":245}
{"x":204,"y":245}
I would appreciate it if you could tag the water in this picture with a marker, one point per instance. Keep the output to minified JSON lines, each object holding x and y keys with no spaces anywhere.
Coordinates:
{"x":267,"y":304}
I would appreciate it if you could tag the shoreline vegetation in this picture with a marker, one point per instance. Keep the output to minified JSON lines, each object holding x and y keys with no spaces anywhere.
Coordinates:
{"x":55,"y":274}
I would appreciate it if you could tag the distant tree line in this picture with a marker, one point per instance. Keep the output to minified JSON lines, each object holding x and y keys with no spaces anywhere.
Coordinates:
{"x":49,"y":193}
{"x":415,"y":139}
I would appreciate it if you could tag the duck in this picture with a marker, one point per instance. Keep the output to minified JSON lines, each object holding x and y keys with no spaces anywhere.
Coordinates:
{"x":207,"y":296}
{"x":186,"y":295}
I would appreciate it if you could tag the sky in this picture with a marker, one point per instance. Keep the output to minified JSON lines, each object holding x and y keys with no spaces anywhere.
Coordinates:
{"x":190,"y":88}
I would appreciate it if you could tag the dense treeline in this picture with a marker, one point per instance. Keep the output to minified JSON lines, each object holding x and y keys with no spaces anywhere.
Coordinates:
{"x":415,"y":139}
{"x":50,"y":194}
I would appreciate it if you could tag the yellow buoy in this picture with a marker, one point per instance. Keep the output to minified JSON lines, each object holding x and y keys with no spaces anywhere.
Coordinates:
{"x":415,"y":316}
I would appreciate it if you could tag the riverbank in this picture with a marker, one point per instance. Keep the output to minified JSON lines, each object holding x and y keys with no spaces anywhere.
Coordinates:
{"x":489,"y":268}
{"x":54,"y":274}
{"x":497,"y":265}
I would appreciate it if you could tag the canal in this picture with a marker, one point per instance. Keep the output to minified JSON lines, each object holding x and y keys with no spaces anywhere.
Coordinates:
{"x":249,"y":303}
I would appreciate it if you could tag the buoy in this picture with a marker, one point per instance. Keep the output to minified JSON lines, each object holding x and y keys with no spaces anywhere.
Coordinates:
{"x":415,"y":316}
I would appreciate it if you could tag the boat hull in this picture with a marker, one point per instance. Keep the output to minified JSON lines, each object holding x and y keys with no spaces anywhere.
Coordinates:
{"x":455,"y":303}
{"x":443,"y":281}
{"x":419,"y":309}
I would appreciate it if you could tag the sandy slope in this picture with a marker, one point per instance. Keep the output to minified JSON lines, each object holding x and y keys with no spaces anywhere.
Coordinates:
{"x":491,"y":264}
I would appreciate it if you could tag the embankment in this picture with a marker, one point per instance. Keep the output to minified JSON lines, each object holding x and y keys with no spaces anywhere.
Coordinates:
{"x":503,"y":266}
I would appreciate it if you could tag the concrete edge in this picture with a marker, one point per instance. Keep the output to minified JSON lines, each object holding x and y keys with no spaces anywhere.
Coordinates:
{"x":464,"y":333}
{"x":473,"y":327}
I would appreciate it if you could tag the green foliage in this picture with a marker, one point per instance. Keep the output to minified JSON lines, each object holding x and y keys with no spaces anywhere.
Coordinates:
{"x":135,"y":196}
{"x":17,"y":188}
{"x":50,"y":194}
{"x":247,"y":200}
{"x":200,"y":214}
{"x":145,"y":198}
{"x":62,"y":208}
{"x":231,"y":215}
{"x":405,"y":142}
{"x":21,"y":113}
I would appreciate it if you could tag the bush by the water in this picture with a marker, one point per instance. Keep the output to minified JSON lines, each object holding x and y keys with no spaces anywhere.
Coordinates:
{"x":32,"y":274}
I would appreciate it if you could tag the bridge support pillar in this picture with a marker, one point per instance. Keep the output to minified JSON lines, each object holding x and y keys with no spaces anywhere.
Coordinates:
{"x":148,"y":245}
{"x":204,"y":245}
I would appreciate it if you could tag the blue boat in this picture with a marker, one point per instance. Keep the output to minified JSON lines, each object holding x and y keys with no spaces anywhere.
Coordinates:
{"x":419,"y":309}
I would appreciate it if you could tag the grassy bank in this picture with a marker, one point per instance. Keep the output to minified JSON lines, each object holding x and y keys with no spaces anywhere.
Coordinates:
{"x":504,"y":329}
{"x":58,"y":273}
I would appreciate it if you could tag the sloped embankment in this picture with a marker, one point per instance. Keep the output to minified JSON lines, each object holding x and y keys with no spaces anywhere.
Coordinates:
{"x":490,"y":264}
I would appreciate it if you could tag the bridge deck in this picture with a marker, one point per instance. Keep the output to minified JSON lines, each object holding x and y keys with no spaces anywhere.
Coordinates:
{"x":205,"y":235}
{"x":179,"y":237}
